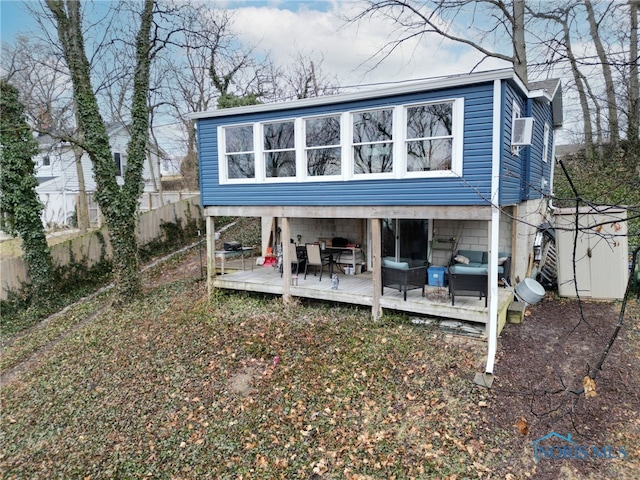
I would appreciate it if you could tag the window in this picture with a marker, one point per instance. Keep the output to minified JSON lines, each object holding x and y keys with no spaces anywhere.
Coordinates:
{"x":46,"y":161}
{"x":416,"y":140}
{"x":545,"y":145}
{"x":372,"y":142}
{"x":118,"y":161}
{"x":239,"y":153}
{"x":279,"y":149}
{"x":515,"y":150}
{"x":429,"y":143}
{"x":322,"y":146}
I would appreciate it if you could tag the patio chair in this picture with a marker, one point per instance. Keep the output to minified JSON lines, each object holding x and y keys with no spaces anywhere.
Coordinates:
{"x":294,"y":258}
{"x":315,"y":258}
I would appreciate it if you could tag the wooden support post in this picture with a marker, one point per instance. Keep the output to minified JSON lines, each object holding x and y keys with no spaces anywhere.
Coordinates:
{"x":376,"y":264}
{"x":286,"y":260}
{"x":211,"y":249}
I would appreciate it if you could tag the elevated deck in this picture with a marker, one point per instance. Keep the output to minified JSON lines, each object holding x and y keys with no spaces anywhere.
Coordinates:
{"x":358,"y":290}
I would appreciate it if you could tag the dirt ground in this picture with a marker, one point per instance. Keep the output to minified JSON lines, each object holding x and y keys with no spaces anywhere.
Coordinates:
{"x":539,"y":377}
{"x":538,"y":387}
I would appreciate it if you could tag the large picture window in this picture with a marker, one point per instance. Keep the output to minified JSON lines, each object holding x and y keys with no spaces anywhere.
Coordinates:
{"x":429,"y":144}
{"x":417,"y":140}
{"x":372,"y":142}
{"x":239,"y":152}
{"x":279,"y":149}
{"x":322,"y":146}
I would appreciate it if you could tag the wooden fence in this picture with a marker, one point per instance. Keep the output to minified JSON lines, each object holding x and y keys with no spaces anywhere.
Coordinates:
{"x":87,"y":247}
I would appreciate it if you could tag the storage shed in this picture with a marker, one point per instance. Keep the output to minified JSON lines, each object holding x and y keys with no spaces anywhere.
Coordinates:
{"x":601,"y":252}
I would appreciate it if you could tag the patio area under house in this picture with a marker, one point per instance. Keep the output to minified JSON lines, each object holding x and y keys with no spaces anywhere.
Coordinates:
{"x":422,"y":197}
{"x":355,"y":279}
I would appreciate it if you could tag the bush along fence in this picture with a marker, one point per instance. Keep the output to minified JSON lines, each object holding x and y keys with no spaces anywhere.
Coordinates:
{"x":158,"y":231}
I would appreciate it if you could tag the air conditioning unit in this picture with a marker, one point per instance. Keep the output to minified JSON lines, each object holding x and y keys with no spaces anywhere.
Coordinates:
{"x":522,"y":131}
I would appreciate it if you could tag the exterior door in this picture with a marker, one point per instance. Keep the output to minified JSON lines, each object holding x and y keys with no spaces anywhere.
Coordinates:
{"x":405,"y":240}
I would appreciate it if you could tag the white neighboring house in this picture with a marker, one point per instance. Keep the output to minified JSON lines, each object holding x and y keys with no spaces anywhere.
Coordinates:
{"x":57,"y":175}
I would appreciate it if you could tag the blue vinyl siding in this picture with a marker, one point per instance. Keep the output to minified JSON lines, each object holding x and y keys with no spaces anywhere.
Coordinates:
{"x":538,"y":169}
{"x":473,"y":189}
{"x":512,"y":179}
{"x":521,"y":176}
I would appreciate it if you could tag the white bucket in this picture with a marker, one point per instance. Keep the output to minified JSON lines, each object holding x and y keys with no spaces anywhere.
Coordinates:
{"x":530,"y":291}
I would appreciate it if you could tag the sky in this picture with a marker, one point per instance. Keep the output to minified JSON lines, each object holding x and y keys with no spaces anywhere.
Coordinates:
{"x":316,"y":29}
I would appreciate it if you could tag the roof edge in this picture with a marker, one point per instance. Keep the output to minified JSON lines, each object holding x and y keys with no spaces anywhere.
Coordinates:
{"x":407,"y":87}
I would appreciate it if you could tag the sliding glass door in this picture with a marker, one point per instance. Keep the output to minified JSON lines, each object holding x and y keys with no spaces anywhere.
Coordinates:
{"x":405,"y":240}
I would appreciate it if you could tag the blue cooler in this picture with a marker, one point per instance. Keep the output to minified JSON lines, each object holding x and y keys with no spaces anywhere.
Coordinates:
{"x":436,"y":276}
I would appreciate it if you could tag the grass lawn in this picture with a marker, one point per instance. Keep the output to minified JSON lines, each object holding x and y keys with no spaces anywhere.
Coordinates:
{"x":180,"y":386}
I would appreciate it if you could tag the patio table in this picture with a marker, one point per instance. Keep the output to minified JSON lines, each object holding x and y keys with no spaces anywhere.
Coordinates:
{"x":224,"y":254}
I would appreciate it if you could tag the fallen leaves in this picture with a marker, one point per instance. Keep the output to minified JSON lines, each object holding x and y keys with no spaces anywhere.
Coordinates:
{"x":244,"y":379}
{"x":522,"y":426}
{"x":589,"y":387}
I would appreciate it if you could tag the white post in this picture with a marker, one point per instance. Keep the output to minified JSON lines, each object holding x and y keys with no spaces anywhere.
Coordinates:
{"x":376,"y":263}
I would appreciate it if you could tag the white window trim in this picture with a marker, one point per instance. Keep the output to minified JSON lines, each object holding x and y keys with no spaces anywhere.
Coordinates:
{"x":456,"y":145}
{"x":515,"y":113}
{"x":223,"y":168}
{"x":305,"y":177}
{"x":296,"y":150}
{"x":352,"y":161}
{"x":399,"y":134}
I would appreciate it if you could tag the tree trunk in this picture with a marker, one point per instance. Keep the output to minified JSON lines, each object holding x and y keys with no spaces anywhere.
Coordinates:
{"x":119,"y":205}
{"x":612,"y":108}
{"x":519,"y":45}
{"x":634,"y":89}
{"x":581,"y":82}
{"x":82,"y":206}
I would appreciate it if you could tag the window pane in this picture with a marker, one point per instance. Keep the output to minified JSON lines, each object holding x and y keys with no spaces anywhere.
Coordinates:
{"x":372,"y":126}
{"x":426,"y":155}
{"x":323,"y":131}
{"x":239,"y":139}
{"x":377,"y":158}
{"x":429,"y":120}
{"x":281,"y":164}
{"x":278,"y":136}
{"x":118,"y":161}
{"x":324,"y":161}
{"x":241,"y":165}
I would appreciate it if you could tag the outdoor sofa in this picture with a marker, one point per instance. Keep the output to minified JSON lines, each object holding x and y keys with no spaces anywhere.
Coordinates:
{"x":468,"y":270}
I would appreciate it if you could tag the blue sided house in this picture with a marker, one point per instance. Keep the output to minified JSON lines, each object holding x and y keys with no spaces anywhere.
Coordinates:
{"x":402,"y":190}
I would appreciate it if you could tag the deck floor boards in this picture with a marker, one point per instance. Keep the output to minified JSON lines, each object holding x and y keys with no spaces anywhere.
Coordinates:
{"x":358,"y":290}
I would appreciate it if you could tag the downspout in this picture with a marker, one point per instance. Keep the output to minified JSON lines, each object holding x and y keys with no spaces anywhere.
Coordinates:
{"x":486,"y":379}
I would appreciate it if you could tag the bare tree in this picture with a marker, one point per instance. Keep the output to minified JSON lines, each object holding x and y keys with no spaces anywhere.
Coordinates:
{"x":634,"y":87}
{"x":304,"y":78}
{"x":612,"y":107}
{"x":118,"y":204}
{"x":486,"y":20}
{"x":603,"y":81}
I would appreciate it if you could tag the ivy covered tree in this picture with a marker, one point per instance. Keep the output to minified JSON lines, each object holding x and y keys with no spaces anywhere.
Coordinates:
{"x":21,"y":209}
{"x":119,"y":204}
